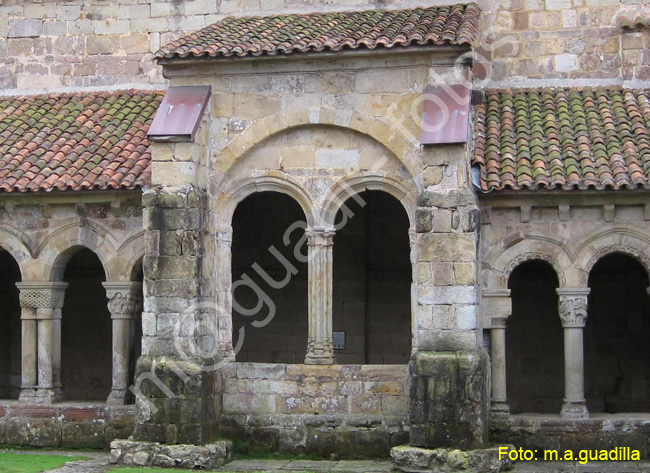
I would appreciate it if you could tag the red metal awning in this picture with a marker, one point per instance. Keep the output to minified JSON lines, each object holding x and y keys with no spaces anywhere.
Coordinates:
{"x":445,"y":115}
{"x":179,"y":114}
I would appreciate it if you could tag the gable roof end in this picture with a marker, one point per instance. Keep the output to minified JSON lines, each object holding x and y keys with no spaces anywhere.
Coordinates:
{"x":305,"y":33}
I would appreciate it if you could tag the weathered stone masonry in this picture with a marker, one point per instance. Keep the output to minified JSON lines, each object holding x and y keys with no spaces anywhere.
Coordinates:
{"x":283,"y":107}
{"x":56,"y":232}
{"x":320,"y":129}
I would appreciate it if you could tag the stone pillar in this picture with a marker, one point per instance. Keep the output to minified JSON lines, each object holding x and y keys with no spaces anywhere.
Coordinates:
{"x":498,"y":307}
{"x":499,"y":402}
{"x":573,"y":312}
{"x":41,"y":304}
{"x":178,"y":392}
{"x":124,"y":303}
{"x":320,"y":346}
{"x":29,"y":368}
{"x":224,"y":296}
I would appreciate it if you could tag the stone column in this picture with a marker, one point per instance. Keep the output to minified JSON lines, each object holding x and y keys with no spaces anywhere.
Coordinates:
{"x":573,"y":312}
{"x":498,"y":307}
{"x":320,"y":347}
{"x":499,"y":402}
{"x":224,"y":294}
{"x":124,"y":303}
{"x":29,"y":365}
{"x":41,"y":304}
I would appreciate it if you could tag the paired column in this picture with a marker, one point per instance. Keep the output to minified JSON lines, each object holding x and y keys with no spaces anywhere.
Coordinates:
{"x":124,"y":303}
{"x":320,"y":345}
{"x":573,"y":312}
{"x":41,"y":304}
{"x":498,"y":307}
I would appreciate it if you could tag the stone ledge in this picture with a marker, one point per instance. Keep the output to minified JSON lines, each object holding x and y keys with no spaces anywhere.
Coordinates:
{"x":67,"y":425}
{"x":408,"y":459}
{"x":189,"y":457}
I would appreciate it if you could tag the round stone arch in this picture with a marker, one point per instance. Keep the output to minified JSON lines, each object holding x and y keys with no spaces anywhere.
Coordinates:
{"x":234,"y":193}
{"x":402,"y":189}
{"x":129,"y":255}
{"x":405,"y":192}
{"x":500,"y":264}
{"x":630,"y":242}
{"x":17,"y":245}
{"x":57,"y":249}
{"x":271,"y":181}
{"x":393,"y":139}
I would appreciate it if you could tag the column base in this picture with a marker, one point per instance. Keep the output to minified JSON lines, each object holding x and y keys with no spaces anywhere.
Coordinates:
{"x":574,"y":410}
{"x":320,"y":352}
{"x":27,"y":395}
{"x":499,"y":410}
{"x":48,"y":396}
{"x":117,"y":397}
{"x":319,"y":359}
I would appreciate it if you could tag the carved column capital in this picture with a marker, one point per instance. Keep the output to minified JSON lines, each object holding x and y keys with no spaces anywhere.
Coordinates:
{"x":42,"y":295}
{"x":124,"y":299}
{"x":572,"y":306}
{"x":320,"y":236}
{"x":496,"y":303}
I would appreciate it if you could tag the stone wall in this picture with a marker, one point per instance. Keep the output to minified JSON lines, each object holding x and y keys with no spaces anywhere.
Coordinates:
{"x":562,"y":39}
{"x":81,"y":43}
{"x":535,"y":432}
{"x":349,"y":410}
{"x":321,"y":130}
{"x":67,"y":426}
{"x":178,"y":393}
{"x":43,"y":232}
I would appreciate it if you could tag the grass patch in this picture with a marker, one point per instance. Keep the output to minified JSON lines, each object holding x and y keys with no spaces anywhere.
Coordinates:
{"x":31,"y":463}
{"x":171,"y":470}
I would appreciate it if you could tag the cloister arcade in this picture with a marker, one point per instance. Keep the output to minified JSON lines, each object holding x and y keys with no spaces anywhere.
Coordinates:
{"x":569,"y":322}
{"x":370,"y":271}
{"x":71,"y":306}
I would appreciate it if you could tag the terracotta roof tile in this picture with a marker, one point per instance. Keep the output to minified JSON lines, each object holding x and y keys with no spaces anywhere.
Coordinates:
{"x":94,"y":140}
{"x":633,"y":19}
{"x":271,"y":35}
{"x":563,"y":138}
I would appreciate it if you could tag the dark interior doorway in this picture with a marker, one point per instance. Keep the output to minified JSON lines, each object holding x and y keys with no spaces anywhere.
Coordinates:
{"x":534,"y":341}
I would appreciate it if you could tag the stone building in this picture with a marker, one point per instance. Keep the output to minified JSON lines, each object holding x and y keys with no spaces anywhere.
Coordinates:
{"x":349,"y":226}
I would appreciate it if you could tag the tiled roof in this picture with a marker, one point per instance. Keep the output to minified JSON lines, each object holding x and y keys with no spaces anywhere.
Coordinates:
{"x":557,"y":138}
{"x":271,"y":35}
{"x":633,"y":19}
{"x":95,"y":140}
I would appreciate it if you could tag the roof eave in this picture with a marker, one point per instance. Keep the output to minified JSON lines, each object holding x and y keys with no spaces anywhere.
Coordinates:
{"x":61,"y":196}
{"x":553,"y":196}
{"x":458,"y":49}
